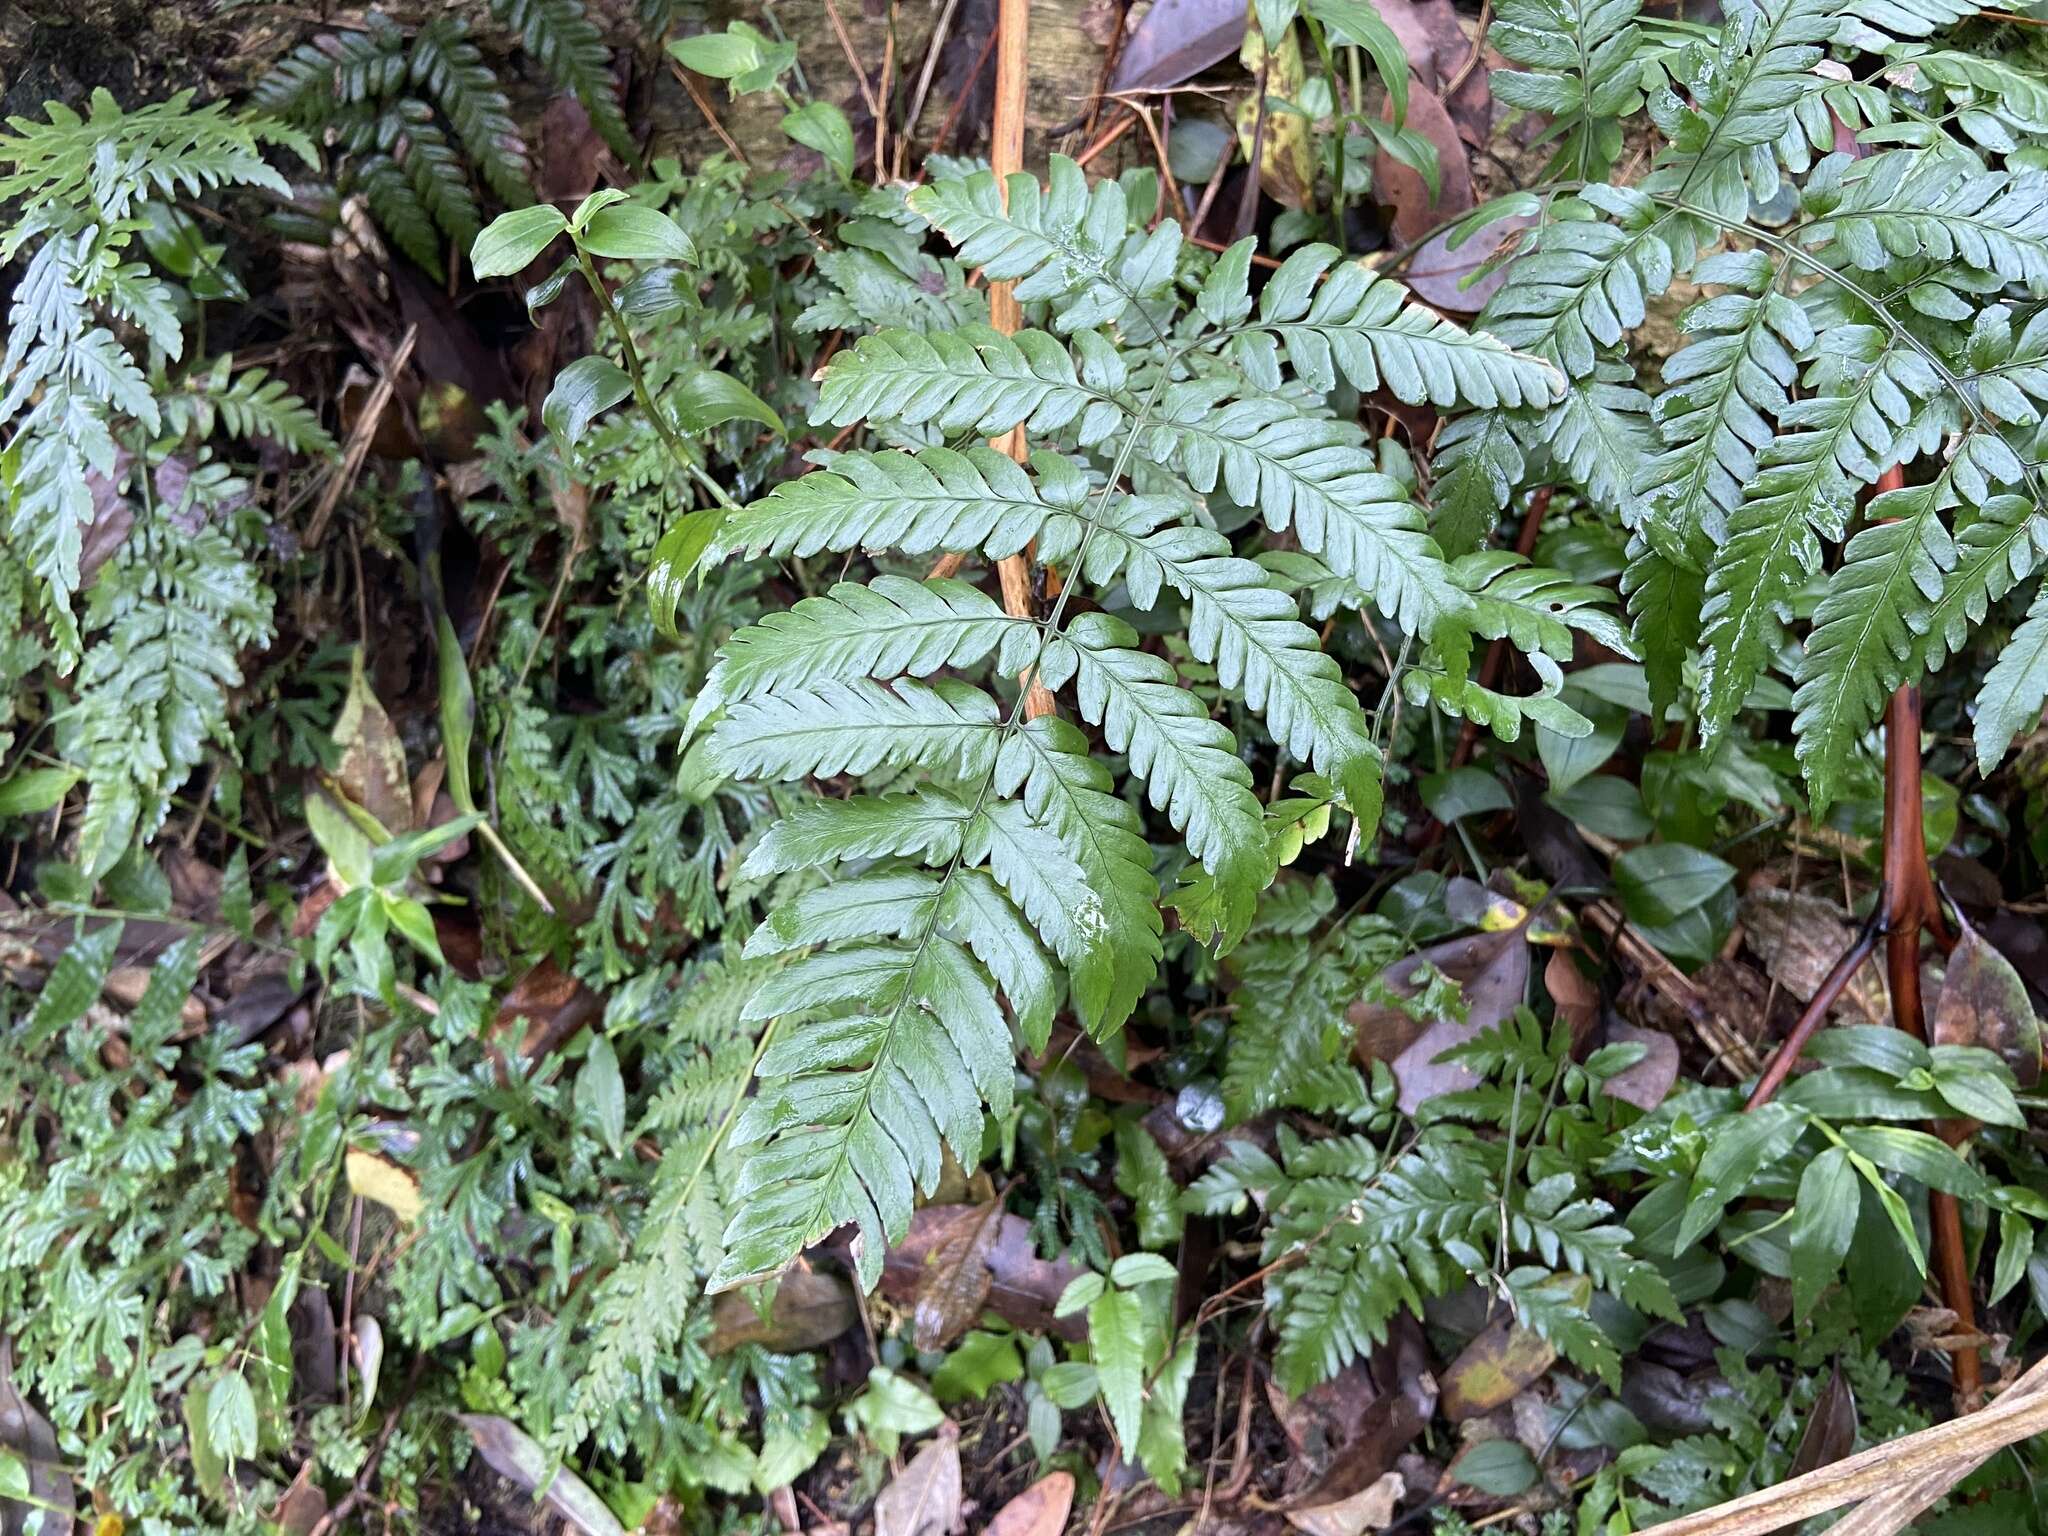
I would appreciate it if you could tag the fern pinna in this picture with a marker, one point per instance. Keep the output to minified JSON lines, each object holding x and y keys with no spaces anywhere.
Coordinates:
{"x":1865,"y":309}
{"x":1158,"y":392}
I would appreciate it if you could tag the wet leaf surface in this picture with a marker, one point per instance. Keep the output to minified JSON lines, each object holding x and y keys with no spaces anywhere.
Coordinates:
{"x":1984,"y":1002}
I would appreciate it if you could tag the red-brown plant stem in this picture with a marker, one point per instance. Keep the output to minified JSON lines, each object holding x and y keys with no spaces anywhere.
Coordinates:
{"x":1906,"y":904}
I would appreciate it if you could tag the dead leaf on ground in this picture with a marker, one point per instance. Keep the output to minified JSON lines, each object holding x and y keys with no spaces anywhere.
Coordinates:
{"x":26,"y":1434}
{"x":371,"y":771}
{"x":1502,"y":1359}
{"x":511,"y":1453}
{"x":810,"y":1308}
{"x":1493,"y":971}
{"x":302,"y":1505}
{"x":1799,"y":937}
{"x":956,"y":1278}
{"x":1040,"y":1510}
{"x":1403,"y":189}
{"x":924,"y":1499}
{"x":1649,"y":1081}
{"x":1286,"y":157}
{"x":1022,"y":1286}
{"x":1439,"y":271}
{"x":1437,"y":46}
{"x":1830,"y":1427}
{"x":1369,"y":1509}
{"x":1177,"y":40}
{"x":1575,"y":997}
{"x":1984,"y":1002}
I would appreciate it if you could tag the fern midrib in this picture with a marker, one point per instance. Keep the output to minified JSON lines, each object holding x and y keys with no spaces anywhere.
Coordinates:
{"x":1754,"y":60}
{"x":1695,"y":487}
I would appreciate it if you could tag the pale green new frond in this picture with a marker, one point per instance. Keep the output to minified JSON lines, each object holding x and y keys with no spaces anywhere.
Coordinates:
{"x":111,"y":159}
{"x":1316,"y":477}
{"x":1355,"y":324}
{"x":250,"y":405}
{"x":888,"y":627}
{"x":1048,"y":762}
{"x":1189,"y":762}
{"x":937,"y":499}
{"x":854,"y":1109}
{"x":2015,"y":688}
{"x":974,"y":379}
{"x":1866,"y":632}
{"x":1066,"y":243}
{"x":857,"y":727}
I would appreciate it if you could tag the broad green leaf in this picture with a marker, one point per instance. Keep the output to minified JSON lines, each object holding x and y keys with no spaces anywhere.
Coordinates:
{"x":1116,"y":1344}
{"x":634,"y":232}
{"x":821,"y":126}
{"x":706,"y":398}
{"x":514,"y":239}
{"x":582,"y":392}
{"x":1662,"y":882}
{"x":1823,"y":1223}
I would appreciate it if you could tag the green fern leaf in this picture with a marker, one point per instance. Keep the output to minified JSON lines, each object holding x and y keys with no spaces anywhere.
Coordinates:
{"x":975,"y":380}
{"x":853,"y":1109}
{"x":1358,"y":325}
{"x":567,"y":42}
{"x":1477,"y":464}
{"x":857,"y":727}
{"x":1066,"y":243}
{"x":2014,"y":689}
{"x":1047,"y":761}
{"x":928,"y":825}
{"x":396,"y":203}
{"x":1941,"y":209}
{"x":445,"y":63}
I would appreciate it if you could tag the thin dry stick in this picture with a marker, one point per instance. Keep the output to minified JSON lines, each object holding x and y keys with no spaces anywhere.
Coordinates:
{"x":924,"y":79}
{"x":1948,"y":1451}
{"x":1006,"y":154}
{"x":359,"y":440}
{"x":860,"y":76}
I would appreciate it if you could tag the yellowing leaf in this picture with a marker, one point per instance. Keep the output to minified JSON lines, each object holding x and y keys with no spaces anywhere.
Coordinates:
{"x":386,"y":1183}
{"x":1286,"y":164}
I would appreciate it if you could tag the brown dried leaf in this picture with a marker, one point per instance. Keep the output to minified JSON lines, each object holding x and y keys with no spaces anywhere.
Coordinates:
{"x":1502,"y":1359}
{"x":1286,"y":157}
{"x":1404,"y":190}
{"x":1439,"y":271}
{"x":26,"y":1434}
{"x":1984,"y":1002}
{"x":372,"y":767}
{"x":1576,"y":998}
{"x":1830,"y":1429}
{"x":1022,"y":1286}
{"x":1040,"y":1510}
{"x":924,"y":1499}
{"x":1176,"y":41}
{"x":511,"y":1453}
{"x":1493,"y":971}
{"x":1799,"y":938}
{"x":1649,"y":1081}
{"x":810,"y":1308}
{"x":1369,"y":1509}
{"x":956,"y":1278}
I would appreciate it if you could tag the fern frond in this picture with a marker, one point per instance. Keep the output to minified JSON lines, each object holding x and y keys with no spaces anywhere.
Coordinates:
{"x":890,"y":627}
{"x":1067,"y":243}
{"x":309,"y":84}
{"x":975,"y":380}
{"x":1355,"y":324}
{"x":1067,"y":790}
{"x":1938,"y":208}
{"x":1802,"y":494}
{"x":568,"y":44}
{"x":112,"y":160}
{"x":857,"y":727}
{"x":1316,"y":477}
{"x":1866,"y":631}
{"x":396,"y":203}
{"x":1478,"y":462}
{"x":2014,"y":689}
{"x":1599,"y":434}
{"x":250,"y":405}
{"x":853,"y":1108}
{"x":937,"y":499}
{"x":1189,"y":762}
{"x":436,"y":172}
{"x":1723,"y":390}
{"x":1582,"y":54}
{"x":447,"y":65}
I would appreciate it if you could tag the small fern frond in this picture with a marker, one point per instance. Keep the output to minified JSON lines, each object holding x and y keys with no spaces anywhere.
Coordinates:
{"x":1066,"y":243}
{"x":838,"y":728}
{"x":569,"y":46}
{"x":436,"y":172}
{"x":2014,"y":689}
{"x":250,"y":405}
{"x":1940,"y":208}
{"x":448,"y":66}
{"x":975,"y":380}
{"x":396,"y":203}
